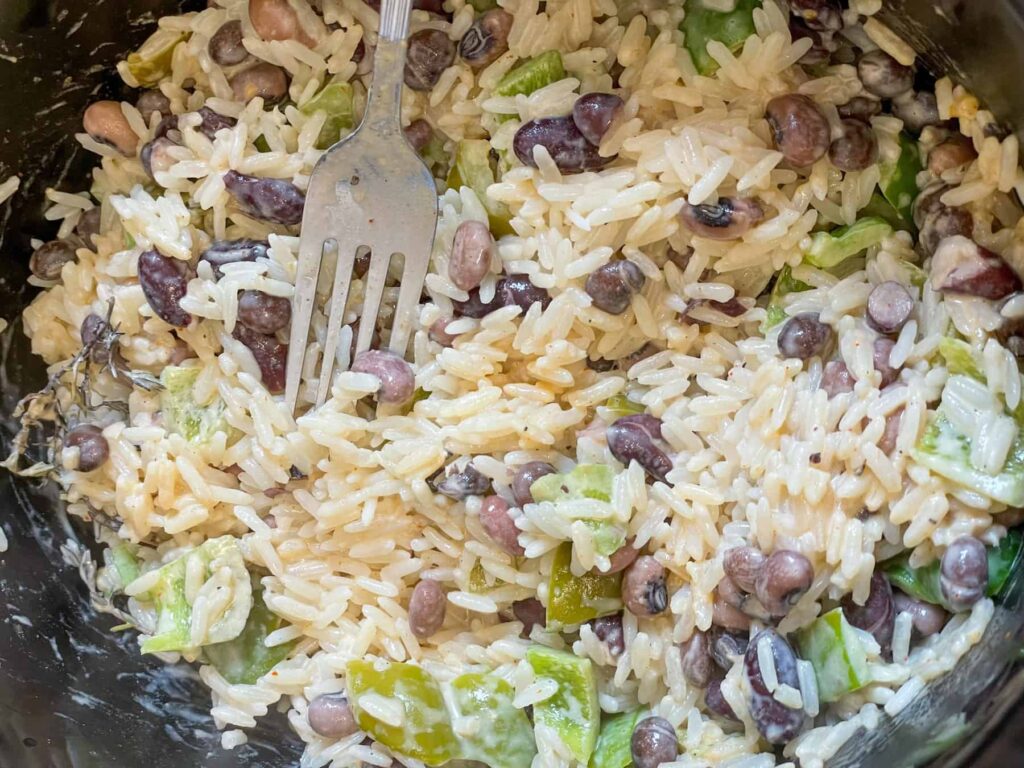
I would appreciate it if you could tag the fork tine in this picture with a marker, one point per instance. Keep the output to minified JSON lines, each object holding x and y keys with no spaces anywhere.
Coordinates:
{"x":339,"y":297}
{"x":413,"y":275}
{"x":380,"y":258}
{"x":310,"y":257}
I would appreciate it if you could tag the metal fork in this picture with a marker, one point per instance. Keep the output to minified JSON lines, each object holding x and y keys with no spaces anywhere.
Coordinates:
{"x":369,"y":190}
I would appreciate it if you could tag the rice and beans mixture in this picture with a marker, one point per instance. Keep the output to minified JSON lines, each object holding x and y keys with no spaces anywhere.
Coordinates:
{"x":708,"y":447}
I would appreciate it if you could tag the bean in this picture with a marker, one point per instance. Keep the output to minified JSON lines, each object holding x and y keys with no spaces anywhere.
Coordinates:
{"x":878,"y":613}
{"x":397,"y":381}
{"x":887,"y":442}
{"x":273,"y":200}
{"x":168,"y":128}
{"x":520,"y":291}
{"x":156,"y":157}
{"x":612,"y":285}
{"x":726,"y":647}
{"x":474,"y":307}
{"x":438,"y":332}
{"x":497,"y":522}
{"x":963,"y":573}
{"x":622,"y":558}
{"x":608,"y":629}
{"x":960,"y":265}
{"x":952,"y":153}
{"x":525,"y":477}
{"x":152,"y":101}
{"x":486,"y":39}
{"x":419,"y":133}
{"x":696,"y":661}
{"x":728,"y":219}
{"x":882,"y":351}
{"x":531,"y":612}
{"x":644,"y":587}
{"x":883,"y":76}
{"x":472,"y":253}
{"x":728,"y":616}
{"x":889,"y":307}
{"x":928,"y":202}
{"x":856,"y":148}
{"x":716,"y":702}
{"x":631,"y":438}
{"x":926,"y":619}
{"x":784,"y":579}
{"x":164,"y":283}
{"x":271,"y":356}
{"x":211,"y":122}
{"x":225,"y":47}
{"x":821,"y":15}
{"x":819,"y":52}
{"x":93,"y":449}
{"x":861,"y":108}
{"x":223,"y":252}
{"x":263,"y":80}
{"x":804,"y":336}
{"x":262,"y":312}
{"x":917,"y":110}
{"x":944,"y":222}
{"x":836,"y":379}
{"x":742,"y":565}
{"x":426,"y":608}
{"x":653,"y":742}
{"x":776,"y":722}
{"x":429,"y":54}
{"x":277,"y":20}
{"x":800,"y":129}
{"x":461,"y":484}
{"x":330,"y":716}
{"x":567,"y":146}
{"x":105,"y":122}
{"x":48,"y":260}
{"x":593,"y":114}
{"x":600,"y":364}
{"x":89,"y":226}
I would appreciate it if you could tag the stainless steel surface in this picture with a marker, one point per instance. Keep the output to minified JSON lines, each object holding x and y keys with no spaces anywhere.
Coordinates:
{"x":370,"y":190}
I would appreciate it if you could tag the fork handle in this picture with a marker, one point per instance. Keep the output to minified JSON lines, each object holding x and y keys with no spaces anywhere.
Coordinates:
{"x":384,"y":104}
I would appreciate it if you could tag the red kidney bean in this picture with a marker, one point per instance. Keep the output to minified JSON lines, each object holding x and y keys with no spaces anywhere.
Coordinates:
{"x":271,"y":356}
{"x":48,"y":259}
{"x":472,"y":251}
{"x":223,"y":252}
{"x":944,"y":222}
{"x":608,"y":629}
{"x":856,"y":148}
{"x":263,"y":80}
{"x":474,"y":307}
{"x":836,"y":379}
{"x":330,"y":716}
{"x":569,"y":149}
{"x":277,"y":20}
{"x":613,"y":285}
{"x":428,"y":55}
{"x":622,"y":558}
{"x":225,"y":47}
{"x":438,"y":332}
{"x":525,"y":477}
{"x":497,"y":521}
{"x":211,"y":122}
{"x":89,"y":226}
{"x":697,"y":664}
{"x":887,"y":442}
{"x":262,"y":312}
{"x":743,"y":565}
{"x":486,"y":39}
{"x":150,"y":101}
{"x":531,"y":612}
{"x":917,"y":110}
{"x":728,"y":219}
{"x":427,"y":609}
{"x":784,"y":579}
{"x":397,"y":381}
{"x":883,"y":76}
{"x":877,"y":615}
{"x":726,"y":647}
{"x":644,"y":587}
{"x":804,"y":336}
{"x":519,"y":290}
{"x":882,"y":352}
{"x":631,"y":438}
{"x":274,"y":200}
{"x":164,"y":283}
{"x":728,"y":616}
{"x":155,"y":157}
{"x":963,"y":573}
{"x":653,"y":742}
{"x":926,"y":619}
{"x":419,"y":133}
{"x":716,"y":702}
{"x":593,"y":114}
{"x":955,"y":151}
{"x":460,"y":485}
{"x":890,"y":306}
{"x":105,"y":122}
{"x":799,"y":128}
{"x":93,"y":449}
{"x":962,"y":266}
{"x":776,"y":722}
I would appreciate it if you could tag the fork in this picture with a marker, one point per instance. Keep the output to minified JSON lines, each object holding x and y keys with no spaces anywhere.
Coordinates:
{"x":370,"y":190}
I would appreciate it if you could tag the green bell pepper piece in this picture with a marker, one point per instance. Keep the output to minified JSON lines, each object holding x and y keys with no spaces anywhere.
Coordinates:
{"x":503,"y":737}
{"x":335,"y":99}
{"x":620,"y":405}
{"x":531,"y":75}
{"x":613,"y":748}
{"x":152,"y":62}
{"x":837,"y":654}
{"x":701,"y":25}
{"x":576,"y":599}
{"x":785,"y":284}
{"x":472,"y":168}
{"x":182,"y":415}
{"x":572,"y":712}
{"x":899,"y":179}
{"x":247,"y":658}
{"x":829,"y":249}
{"x":959,"y":358}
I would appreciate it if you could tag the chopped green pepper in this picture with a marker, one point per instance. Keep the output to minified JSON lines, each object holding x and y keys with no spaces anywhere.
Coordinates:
{"x":837,"y":654}
{"x":425,"y":731}
{"x":261,"y":144}
{"x":701,"y":25}
{"x":480,"y":581}
{"x":152,"y":62}
{"x":503,"y":736}
{"x":572,"y":712}
{"x":785,"y":284}
{"x":531,"y":75}
{"x":620,"y":405}
{"x":613,"y":748}
{"x":959,"y":358}
{"x":247,"y":658}
{"x":125,"y":563}
{"x":576,"y":599}
{"x":899,"y":179}
{"x":483,"y":5}
{"x":880,"y":208}
{"x":472,"y":168}
{"x":435,"y":157}
{"x":828,"y":249}
{"x":182,"y":415}
{"x":585,"y":481}
{"x":334,"y":99}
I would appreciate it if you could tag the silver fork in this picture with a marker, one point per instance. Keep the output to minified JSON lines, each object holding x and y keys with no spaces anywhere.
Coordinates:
{"x":369,"y":190}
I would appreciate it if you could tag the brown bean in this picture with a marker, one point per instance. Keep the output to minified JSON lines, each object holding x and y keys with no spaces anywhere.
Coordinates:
{"x":804,"y":336}
{"x":271,"y":356}
{"x":877,"y":615}
{"x":429,"y":53}
{"x":263,"y":312}
{"x":728,"y":219}
{"x":594,"y":114}
{"x":836,"y":379}
{"x":917,"y":110}
{"x":397,"y":381}
{"x":963,"y":573}
{"x":486,"y":39}
{"x":856,"y":148}
{"x":277,"y":20}
{"x":742,"y":565}
{"x":821,"y":15}
{"x":461,"y":484}
{"x":48,"y":260}
{"x":472,"y":253}
{"x":883,"y":76}
{"x":799,"y":128}
{"x":926,"y":619}
{"x":567,"y":146}
{"x":608,"y":629}
{"x":330,"y":716}
{"x":209,"y":124}
{"x":497,"y":522}
{"x":860,"y":108}
{"x":612,"y":286}
{"x":653,"y":743}
{"x":633,"y":438}
{"x":223,"y":252}
{"x":152,"y":101}
{"x":716,"y":702}
{"x":727,"y":647}
{"x":728,"y":616}
{"x":531,"y":612}
{"x":697,"y":664}
{"x":889,"y":307}
{"x":784,"y":579}
{"x":274,"y":200}
{"x":164,"y":283}
{"x":225,"y":46}
{"x":887,"y":442}
{"x":960,"y":265}
{"x":427,"y":608}
{"x":263,"y":80}
{"x":105,"y":122}
{"x":944,"y":222}
{"x":952,"y":153}
{"x":89,"y":226}
{"x":93,"y":448}
{"x":622,"y":558}
{"x":419,"y":133}
{"x":882,"y":351}
{"x":439,"y":332}
{"x":525,"y":477}
{"x":644,"y":587}
{"x":156,"y":157}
